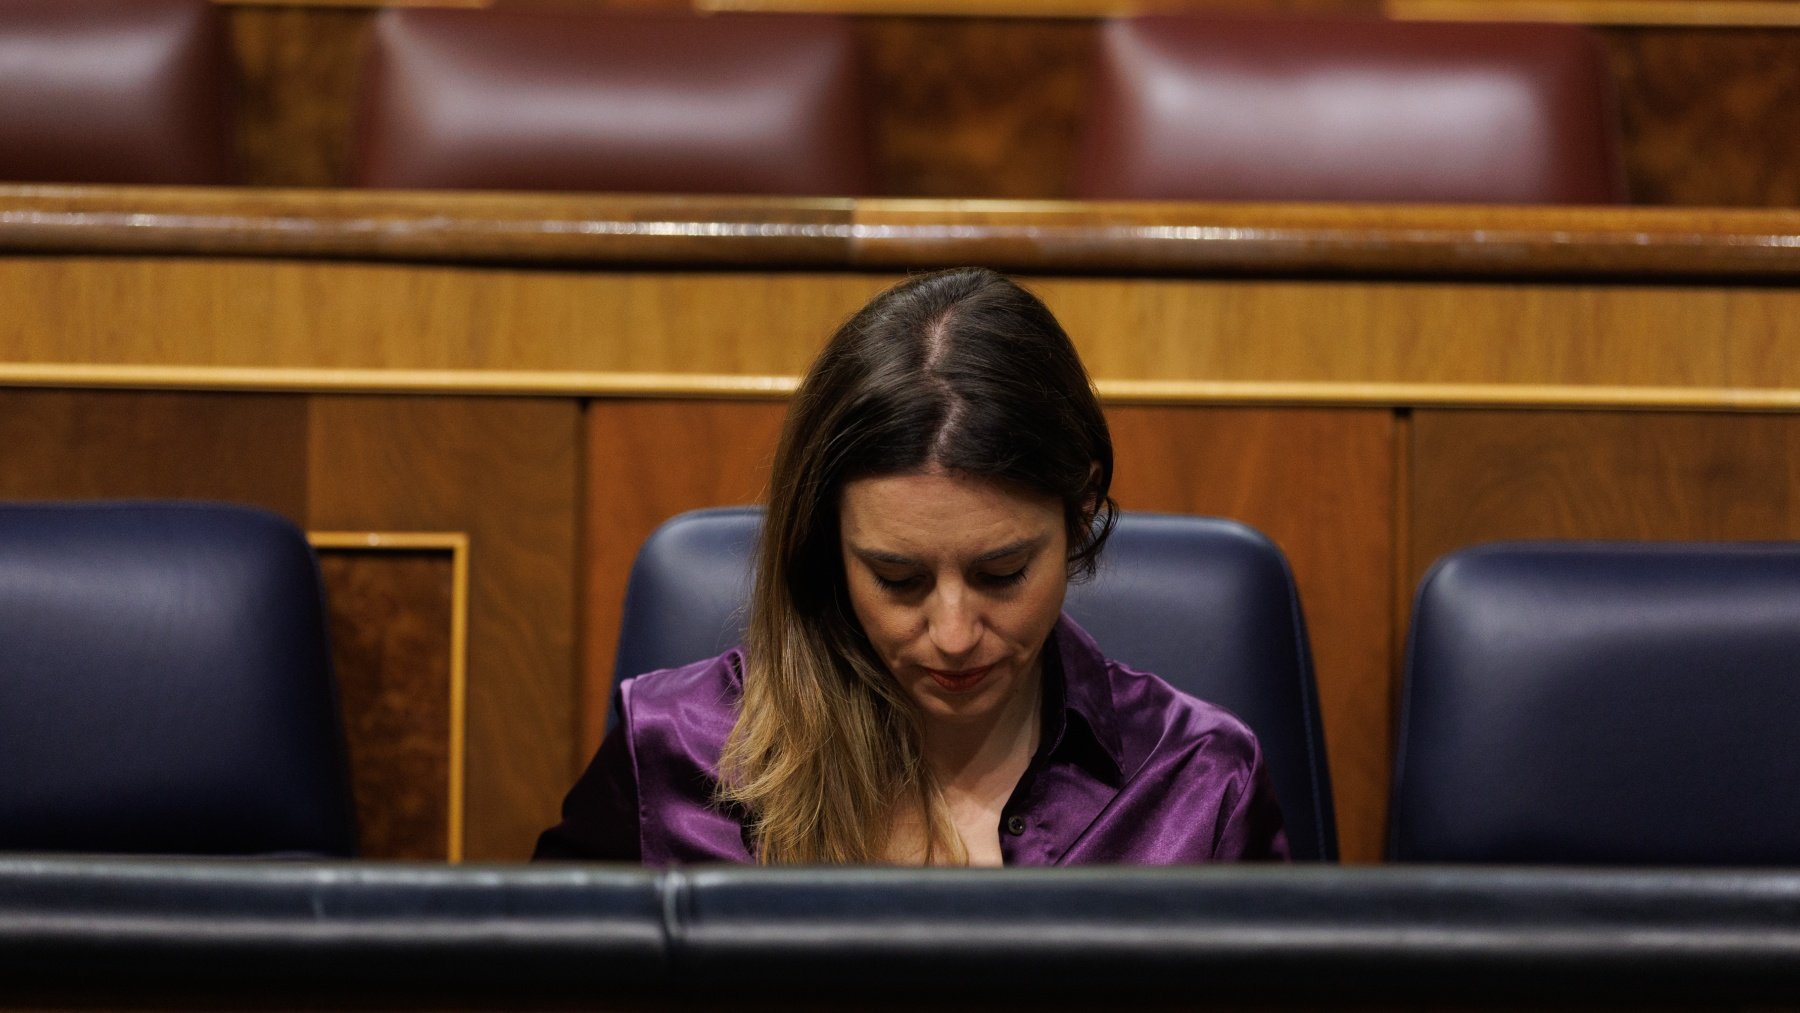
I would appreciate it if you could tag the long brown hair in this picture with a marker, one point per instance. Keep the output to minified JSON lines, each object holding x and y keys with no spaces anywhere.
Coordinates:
{"x":960,"y":370}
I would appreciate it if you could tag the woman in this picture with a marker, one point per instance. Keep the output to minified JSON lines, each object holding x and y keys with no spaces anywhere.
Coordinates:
{"x":910,"y":691}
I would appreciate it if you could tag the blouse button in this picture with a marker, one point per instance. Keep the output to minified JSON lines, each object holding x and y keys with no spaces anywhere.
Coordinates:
{"x":1015,"y":825}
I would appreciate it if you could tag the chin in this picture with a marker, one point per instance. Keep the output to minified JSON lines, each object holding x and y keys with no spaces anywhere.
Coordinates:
{"x":964,"y":706}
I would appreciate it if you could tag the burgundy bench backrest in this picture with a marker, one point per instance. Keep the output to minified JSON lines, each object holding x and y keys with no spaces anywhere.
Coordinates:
{"x":613,"y":101}
{"x":1215,"y":109}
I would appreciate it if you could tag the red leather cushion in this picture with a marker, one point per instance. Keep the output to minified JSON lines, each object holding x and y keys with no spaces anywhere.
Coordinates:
{"x":114,"y":91}
{"x":644,"y":102}
{"x":1199,"y":109}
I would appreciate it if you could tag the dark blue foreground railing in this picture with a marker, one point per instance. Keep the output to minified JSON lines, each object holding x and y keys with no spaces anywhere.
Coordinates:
{"x":154,"y":933}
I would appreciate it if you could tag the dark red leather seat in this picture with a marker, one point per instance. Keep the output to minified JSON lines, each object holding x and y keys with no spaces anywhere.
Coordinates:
{"x":1205,"y":109}
{"x":627,"y":102}
{"x":114,"y":91}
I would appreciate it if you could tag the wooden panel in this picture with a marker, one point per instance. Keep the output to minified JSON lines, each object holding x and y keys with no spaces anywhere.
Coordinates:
{"x":1414,"y":332}
{"x":952,"y":119}
{"x":391,"y":616}
{"x":335,"y":315}
{"x":1481,"y":476}
{"x":240,"y":448}
{"x":299,"y":68}
{"x":1710,"y":115}
{"x":1157,"y":339}
{"x":1321,"y":483}
{"x":646,"y":462}
{"x":505,"y":472}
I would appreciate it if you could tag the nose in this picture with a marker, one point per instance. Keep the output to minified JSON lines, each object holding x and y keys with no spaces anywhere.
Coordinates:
{"x":953,"y":624}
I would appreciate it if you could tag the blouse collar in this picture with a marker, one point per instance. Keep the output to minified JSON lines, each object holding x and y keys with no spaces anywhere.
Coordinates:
{"x":1080,"y":724}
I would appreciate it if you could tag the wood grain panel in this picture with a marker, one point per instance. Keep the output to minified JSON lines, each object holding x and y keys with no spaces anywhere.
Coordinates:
{"x":349,"y":315}
{"x":1321,"y":483}
{"x":952,"y":119}
{"x":1414,"y":332}
{"x":299,"y":68}
{"x":1710,"y":114}
{"x":239,"y":448}
{"x":1482,"y":476}
{"x":646,"y":462}
{"x":1714,"y":341}
{"x":505,"y":471}
{"x":391,"y":620}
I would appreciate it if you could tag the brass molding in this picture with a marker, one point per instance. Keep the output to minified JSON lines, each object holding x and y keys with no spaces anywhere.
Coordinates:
{"x":281,"y":379}
{"x":763,"y":387}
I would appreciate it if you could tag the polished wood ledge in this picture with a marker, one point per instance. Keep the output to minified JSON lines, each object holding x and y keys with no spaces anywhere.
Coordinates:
{"x":1105,"y":238}
{"x":612,"y":295}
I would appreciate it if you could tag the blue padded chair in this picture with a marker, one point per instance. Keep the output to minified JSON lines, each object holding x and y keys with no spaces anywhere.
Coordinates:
{"x":1632,"y":703}
{"x":1207,"y":604}
{"x":165,"y":686}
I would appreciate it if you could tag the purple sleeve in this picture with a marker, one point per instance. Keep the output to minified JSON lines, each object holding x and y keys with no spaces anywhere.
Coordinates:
{"x":1252,"y":831}
{"x":600,"y":815}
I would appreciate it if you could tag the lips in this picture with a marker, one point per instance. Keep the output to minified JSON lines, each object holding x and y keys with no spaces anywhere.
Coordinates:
{"x":960,"y":682}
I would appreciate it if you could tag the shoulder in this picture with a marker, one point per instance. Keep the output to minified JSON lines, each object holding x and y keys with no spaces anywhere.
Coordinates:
{"x":1203,"y":764}
{"x":675,"y":722}
{"x":1190,"y":771}
{"x":646,"y":795}
{"x":1158,"y":721}
{"x":1140,"y":717}
{"x":713,"y":681}
{"x":687,"y":710}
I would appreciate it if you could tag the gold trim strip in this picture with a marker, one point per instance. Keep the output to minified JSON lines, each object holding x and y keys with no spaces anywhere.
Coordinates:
{"x":440,"y":541}
{"x":1454,"y":395}
{"x":459,"y":693}
{"x":395,"y":381}
{"x":723,"y":386}
{"x":457,"y":544}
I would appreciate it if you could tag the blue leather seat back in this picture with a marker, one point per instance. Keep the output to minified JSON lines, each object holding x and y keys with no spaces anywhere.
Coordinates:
{"x":1207,"y":604}
{"x":165,"y":685}
{"x":1603,"y":703}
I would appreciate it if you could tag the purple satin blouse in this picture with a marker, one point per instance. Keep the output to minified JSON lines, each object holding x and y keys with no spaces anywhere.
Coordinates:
{"x":1129,"y":770}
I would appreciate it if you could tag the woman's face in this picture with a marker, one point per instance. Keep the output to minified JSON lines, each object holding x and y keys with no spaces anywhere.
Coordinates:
{"x":957,"y":582}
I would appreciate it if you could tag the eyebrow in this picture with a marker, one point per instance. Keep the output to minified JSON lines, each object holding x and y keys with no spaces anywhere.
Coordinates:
{"x":896,"y":559}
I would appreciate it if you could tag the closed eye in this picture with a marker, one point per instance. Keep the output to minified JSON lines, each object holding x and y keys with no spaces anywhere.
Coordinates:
{"x":898,"y":586}
{"x":1004,"y":580}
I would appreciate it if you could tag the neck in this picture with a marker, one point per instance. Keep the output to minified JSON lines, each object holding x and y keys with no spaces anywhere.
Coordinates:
{"x":965,"y":756}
